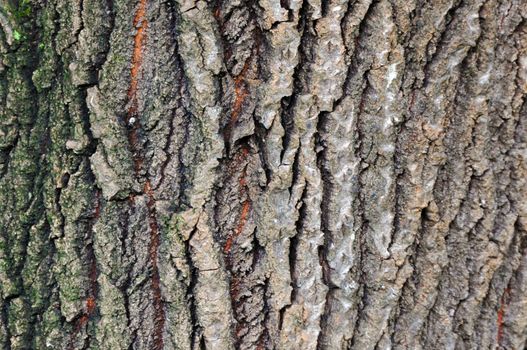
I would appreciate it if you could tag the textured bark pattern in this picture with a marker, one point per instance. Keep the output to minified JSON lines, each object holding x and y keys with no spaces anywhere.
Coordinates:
{"x":263,"y":174}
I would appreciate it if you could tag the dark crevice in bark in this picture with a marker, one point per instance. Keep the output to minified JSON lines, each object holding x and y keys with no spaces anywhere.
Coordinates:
{"x":15,"y":258}
{"x":133,"y":122}
{"x":125,"y":286}
{"x":518,"y":248}
{"x":443,"y":278}
{"x":286,"y":119}
{"x":261,"y":137}
{"x":237,"y":164}
{"x":159,"y":308}
{"x":184,"y":103}
{"x":325,"y":210}
{"x":359,"y":149}
{"x":202,"y":345}
{"x":182,"y":97}
{"x":324,"y":7}
{"x":5,"y":323}
{"x":85,"y":120}
{"x":258,"y":251}
{"x":58,"y":191}
{"x":264,"y":339}
{"x":296,"y":172}
{"x":501,"y":313}
{"x":251,"y":66}
{"x":243,"y":280}
{"x":90,"y":304}
{"x":166,"y":151}
{"x":246,"y":203}
{"x":432,"y":53}
{"x":288,"y":103}
{"x":81,"y":21}
{"x":361,"y":295}
{"x":293,"y":255}
{"x":195,"y":336}
{"x":182,"y":169}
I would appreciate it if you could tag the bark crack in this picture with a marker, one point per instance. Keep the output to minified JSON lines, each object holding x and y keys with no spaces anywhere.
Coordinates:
{"x":134,"y":129}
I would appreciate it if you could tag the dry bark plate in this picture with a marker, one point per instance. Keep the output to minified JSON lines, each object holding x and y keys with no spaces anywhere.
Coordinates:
{"x":263,"y":174}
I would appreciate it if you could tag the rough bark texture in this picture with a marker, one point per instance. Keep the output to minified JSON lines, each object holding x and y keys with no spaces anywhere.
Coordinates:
{"x":263,"y":174}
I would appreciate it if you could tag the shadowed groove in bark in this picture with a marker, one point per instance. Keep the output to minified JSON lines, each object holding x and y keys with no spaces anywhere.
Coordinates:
{"x":195,"y":336}
{"x":240,"y":150}
{"x":133,"y":121}
{"x":141,"y":24}
{"x":501,"y":313}
{"x":24,"y":213}
{"x":327,"y":189}
{"x":235,"y":259}
{"x":91,"y":299}
{"x":293,"y":257}
{"x":246,"y":204}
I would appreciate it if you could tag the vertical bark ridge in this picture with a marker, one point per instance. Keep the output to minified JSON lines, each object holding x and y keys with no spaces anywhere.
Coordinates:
{"x":133,"y":120}
{"x":91,"y":299}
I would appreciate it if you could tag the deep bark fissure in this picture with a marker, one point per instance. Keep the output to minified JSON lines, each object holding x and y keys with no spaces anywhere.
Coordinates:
{"x":133,"y":122}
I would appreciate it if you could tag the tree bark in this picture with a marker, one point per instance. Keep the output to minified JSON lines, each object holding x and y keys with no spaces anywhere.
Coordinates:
{"x":263,"y":174}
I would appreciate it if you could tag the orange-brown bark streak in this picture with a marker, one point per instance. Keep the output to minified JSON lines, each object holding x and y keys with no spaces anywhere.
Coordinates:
{"x":236,"y":280}
{"x":159,"y":312}
{"x":137,"y":58}
{"x":141,"y":23}
{"x":501,"y":313}
{"x":240,"y":94}
{"x":246,"y":205}
{"x":90,"y":304}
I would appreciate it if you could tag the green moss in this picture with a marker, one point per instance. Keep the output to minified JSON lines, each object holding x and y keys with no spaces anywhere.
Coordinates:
{"x":120,"y":59}
{"x":49,"y":335}
{"x":20,"y":15}
{"x":18,"y":320}
{"x":69,"y":292}
{"x":16,"y":35}
{"x":175,"y":223}
{"x":42,"y":79}
{"x":22,"y":11}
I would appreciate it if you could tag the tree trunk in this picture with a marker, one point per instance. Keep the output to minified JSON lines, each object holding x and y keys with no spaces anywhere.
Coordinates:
{"x":263,"y":174}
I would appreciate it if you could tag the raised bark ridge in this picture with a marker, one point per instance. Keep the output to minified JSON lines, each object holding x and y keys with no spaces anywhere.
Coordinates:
{"x":336,"y":174}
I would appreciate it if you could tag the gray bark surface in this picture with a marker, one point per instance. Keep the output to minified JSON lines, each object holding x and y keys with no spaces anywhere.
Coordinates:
{"x":263,"y":174}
